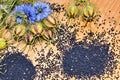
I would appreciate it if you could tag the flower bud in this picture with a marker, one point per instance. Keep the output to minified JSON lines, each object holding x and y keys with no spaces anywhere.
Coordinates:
{"x":28,"y":38}
{"x":19,"y":30}
{"x":37,"y":28}
{"x":50,"y":21}
{"x":3,"y":43}
{"x":72,"y":11}
{"x":89,"y":13}
{"x":47,"y":34}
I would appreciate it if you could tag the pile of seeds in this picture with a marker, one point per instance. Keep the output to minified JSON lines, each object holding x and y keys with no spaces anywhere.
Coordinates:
{"x":88,"y":59}
{"x":17,"y":67}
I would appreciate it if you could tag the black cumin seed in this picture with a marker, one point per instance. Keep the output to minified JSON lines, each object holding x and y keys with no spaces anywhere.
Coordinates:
{"x":17,"y":67}
{"x":87,"y":60}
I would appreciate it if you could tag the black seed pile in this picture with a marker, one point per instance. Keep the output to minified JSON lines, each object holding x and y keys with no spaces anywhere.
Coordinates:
{"x":17,"y":67}
{"x":85,"y":59}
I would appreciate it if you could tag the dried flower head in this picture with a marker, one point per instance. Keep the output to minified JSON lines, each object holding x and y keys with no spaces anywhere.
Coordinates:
{"x":72,"y":11}
{"x":10,"y":20}
{"x":29,"y":38}
{"x":50,"y":21}
{"x":47,"y":34}
{"x":19,"y":30}
{"x":37,"y":28}
{"x":89,"y":13}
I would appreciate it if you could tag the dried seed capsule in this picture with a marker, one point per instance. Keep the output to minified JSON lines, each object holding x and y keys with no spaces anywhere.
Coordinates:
{"x":37,"y":28}
{"x":10,"y":20}
{"x":47,"y":34}
{"x":89,"y":13}
{"x":72,"y":11}
{"x":19,"y":30}
{"x":28,"y":38}
{"x":50,"y":21}
{"x":3,"y":43}
{"x":6,"y":34}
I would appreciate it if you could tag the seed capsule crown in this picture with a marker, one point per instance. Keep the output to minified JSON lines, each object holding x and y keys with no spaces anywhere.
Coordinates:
{"x":72,"y":11}
{"x":89,"y":13}
{"x":19,"y":30}
{"x":36,"y":28}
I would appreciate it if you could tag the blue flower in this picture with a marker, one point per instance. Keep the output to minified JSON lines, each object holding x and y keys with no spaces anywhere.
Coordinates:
{"x":18,"y":19}
{"x":25,"y":12}
{"x":42,"y":10}
{"x":36,"y":13}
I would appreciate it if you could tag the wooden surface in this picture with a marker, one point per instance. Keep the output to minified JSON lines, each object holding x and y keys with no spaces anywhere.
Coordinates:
{"x":108,"y":5}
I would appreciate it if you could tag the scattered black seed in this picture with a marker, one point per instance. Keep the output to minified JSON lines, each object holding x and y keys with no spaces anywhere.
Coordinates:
{"x":47,"y":65}
{"x":57,"y":7}
{"x":17,"y":67}
{"x":65,"y":37}
{"x":109,"y":11}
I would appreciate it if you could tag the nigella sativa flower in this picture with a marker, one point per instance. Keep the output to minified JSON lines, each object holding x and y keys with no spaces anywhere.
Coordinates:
{"x":25,"y":12}
{"x":35,"y":13}
{"x":42,"y":10}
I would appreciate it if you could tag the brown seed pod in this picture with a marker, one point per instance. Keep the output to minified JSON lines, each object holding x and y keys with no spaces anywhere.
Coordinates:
{"x":37,"y":28}
{"x":6,"y":34}
{"x":47,"y":34}
{"x":10,"y":21}
{"x":19,"y":30}
{"x":50,"y":21}
{"x":29,"y":38}
{"x":72,"y":11}
{"x":89,"y":13}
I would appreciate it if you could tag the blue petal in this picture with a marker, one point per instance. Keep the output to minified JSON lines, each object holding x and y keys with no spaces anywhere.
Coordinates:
{"x":19,"y":20}
{"x":46,"y":10}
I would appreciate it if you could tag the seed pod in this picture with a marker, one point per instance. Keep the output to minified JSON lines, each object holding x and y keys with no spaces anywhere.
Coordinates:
{"x":6,"y":34}
{"x":72,"y":11}
{"x":19,"y":30}
{"x":89,"y":13}
{"x":28,"y":38}
{"x":10,"y":20}
{"x":3,"y":43}
{"x":50,"y":21}
{"x":37,"y":28}
{"x":47,"y":34}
